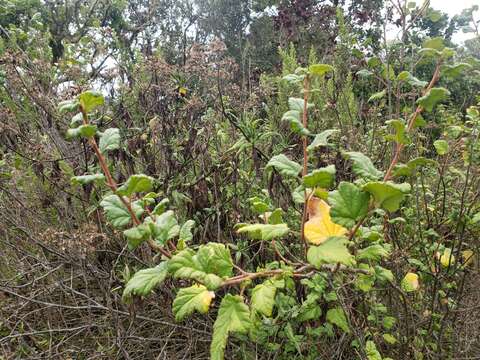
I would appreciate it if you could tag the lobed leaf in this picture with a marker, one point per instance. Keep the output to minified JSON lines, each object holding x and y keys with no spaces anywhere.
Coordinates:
{"x":195,"y":297}
{"x":233,"y":316}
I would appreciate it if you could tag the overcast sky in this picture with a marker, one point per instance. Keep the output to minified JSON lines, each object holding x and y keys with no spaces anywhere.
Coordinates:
{"x":454,"y":7}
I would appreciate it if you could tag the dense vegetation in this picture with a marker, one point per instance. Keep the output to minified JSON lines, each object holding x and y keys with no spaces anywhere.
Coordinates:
{"x":267,"y":179}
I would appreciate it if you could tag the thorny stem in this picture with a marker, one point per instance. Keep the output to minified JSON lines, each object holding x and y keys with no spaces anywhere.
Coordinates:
{"x":113,"y":185}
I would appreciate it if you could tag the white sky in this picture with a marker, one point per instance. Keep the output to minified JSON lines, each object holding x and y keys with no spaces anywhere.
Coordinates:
{"x":455,"y":7}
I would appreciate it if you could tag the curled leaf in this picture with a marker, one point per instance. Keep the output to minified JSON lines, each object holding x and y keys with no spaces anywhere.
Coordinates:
{"x":320,"y":226}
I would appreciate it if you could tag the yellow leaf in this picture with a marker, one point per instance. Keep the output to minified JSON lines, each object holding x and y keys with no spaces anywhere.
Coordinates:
{"x":207,"y":299}
{"x":182,"y":91}
{"x":446,"y":258}
{"x":410,"y":282}
{"x":320,"y":226}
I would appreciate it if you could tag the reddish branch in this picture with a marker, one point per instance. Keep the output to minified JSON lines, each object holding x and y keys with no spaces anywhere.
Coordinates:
{"x":113,"y":185}
{"x":306,"y":86}
{"x":399,"y":147}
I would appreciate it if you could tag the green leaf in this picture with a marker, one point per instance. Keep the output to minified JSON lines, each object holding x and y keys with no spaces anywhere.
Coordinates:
{"x":89,"y":100}
{"x":320,"y":69}
{"x":88,"y":178}
{"x":186,"y":231}
{"x":373,"y":253}
{"x":310,"y":309}
{"x":371,"y":351}
{"x":389,"y":339}
{"x":233,"y":316}
{"x":364,"y":282}
{"x":195,"y":297}
{"x":364,"y":73}
{"x":321,"y":139}
{"x":161,"y":207}
{"x":258,"y":205}
{"x":432,"y":97}
{"x":109,"y":140}
{"x":85,"y":131}
{"x":68,"y":105}
{"x":387,"y":195}
{"x":331,"y":251}
{"x":373,"y":62}
{"x":264,"y":232}
{"x":296,"y":104}
{"x":263,"y":296}
{"x":377,"y":96}
{"x":383,"y":275}
{"x":322,"y":177}
{"x":409,"y":168}
{"x":275,"y":217}
{"x":434,"y":43}
{"x":117,"y":214}
{"x":209,"y":265}
{"x":401,"y":136}
{"x":137,"y":235}
{"x":475,"y":218}
{"x":284,"y":165}
{"x":337,"y":317}
{"x":135,"y":184}
{"x":164,"y":228}
{"x":293,"y":118}
{"x":434,"y":15}
{"x":293,"y":78}
{"x":441,"y":146}
{"x":363,"y":166}
{"x":349,"y":204}
{"x":144,"y":281}
{"x":77,"y":120}
{"x":453,"y":71}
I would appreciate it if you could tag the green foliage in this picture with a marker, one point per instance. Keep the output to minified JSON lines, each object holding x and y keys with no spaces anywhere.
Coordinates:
{"x":209,"y":265}
{"x":89,"y":100}
{"x":195,"y":297}
{"x":109,"y":140}
{"x":263,"y":296}
{"x":337,"y":317}
{"x":233,"y":317}
{"x":265,"y":232}
{"x":321,"y":139}
{"x":320,"y":69}
{"x":317,"y":250}
{"x":432,"y":98}
{"x":164,"y":227}
{"x":136,"y":184}
{"x":363,"y":166}
{"x":333,"y":250}
{"x":137,"y":235}
{"x":284,"y":166}
{"x":117,"y":213}
{"x":322,"y":177}
{"x":387,"y":195}
{"x":85,"y":131}
{"x":349,"y":204}
{"x":144,"y":281}
{"x":89,"y":178}
{"x":441,"y":146}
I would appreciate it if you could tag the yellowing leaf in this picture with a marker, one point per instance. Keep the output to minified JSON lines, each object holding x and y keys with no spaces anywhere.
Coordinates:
{"x":410,"y":282}
{"x":195,"y":297}
{"x":320,"y":226}
{"x":446,"y":258}
{"x":467,"y":256}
